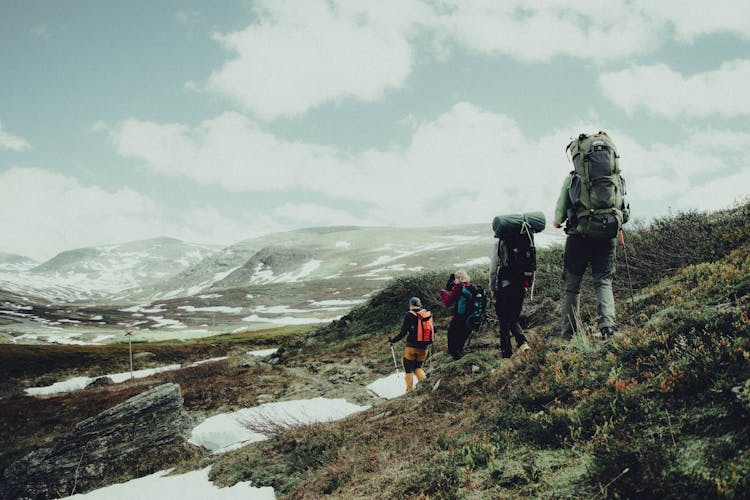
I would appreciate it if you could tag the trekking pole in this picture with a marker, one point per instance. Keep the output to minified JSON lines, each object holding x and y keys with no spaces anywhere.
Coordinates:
{"x":630,"y":281}
{"x":393,"y":353}
{"x":525,"y":227}
{"x":533,"y":282}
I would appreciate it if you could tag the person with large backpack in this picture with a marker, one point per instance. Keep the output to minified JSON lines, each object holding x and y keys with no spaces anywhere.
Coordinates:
{"x":512,"y":272}
{"x":469,"y":303}
{"x":419,"y":329}
{"x":592,"y":204}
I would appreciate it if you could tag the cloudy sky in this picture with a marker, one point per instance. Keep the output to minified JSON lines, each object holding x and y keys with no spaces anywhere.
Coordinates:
{"x":213,"y":121}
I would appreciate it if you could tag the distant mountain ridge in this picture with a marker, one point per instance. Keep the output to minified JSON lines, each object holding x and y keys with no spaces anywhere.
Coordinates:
{"x":164,"y":268}
{"x":165,"y":287}
{"x":15,"y":262}
{"x":104,"y":272}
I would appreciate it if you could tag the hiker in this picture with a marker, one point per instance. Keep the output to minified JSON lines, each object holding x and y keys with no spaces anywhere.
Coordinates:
{"x":419,"y":330}
{"x":458,"y":330}
{"x":512,"y":272}
{"x":508,"y":291}
{"x":592,"y":205}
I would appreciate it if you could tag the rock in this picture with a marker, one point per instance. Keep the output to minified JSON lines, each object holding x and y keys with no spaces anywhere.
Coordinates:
{"x":143,"y":434}
{"x":238,"y":357}
{"x":264,"y":398}
{"x":100,"y":382}
{"x":144,"y":355}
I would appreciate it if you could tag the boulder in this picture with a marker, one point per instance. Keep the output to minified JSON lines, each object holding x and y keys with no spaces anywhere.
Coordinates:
{"x":100,"y":382}
{"x":136,"y":437}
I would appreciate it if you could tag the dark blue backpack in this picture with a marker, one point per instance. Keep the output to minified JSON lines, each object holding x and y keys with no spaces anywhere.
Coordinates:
{"x":474,"y":300}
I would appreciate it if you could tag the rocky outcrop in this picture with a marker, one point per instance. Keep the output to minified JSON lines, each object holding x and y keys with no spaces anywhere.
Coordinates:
{"x":142,"y":433}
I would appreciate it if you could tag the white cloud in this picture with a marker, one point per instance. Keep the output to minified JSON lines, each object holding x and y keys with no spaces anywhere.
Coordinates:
{"x":693,"y":19}
{"x":540,"y":31}
{"x":12,"y":142}
{"x":587,"y":29}
{"x":465,"y":166}
{"x":464,"y":159}
{"x":703,"y":172}
{"x":311,"y":214}
{"x":302,"y":54}
{"x":42,"y":212}
{"x":717,"y":192}
{"x":230,"y":151}
{"x":663,"y":91}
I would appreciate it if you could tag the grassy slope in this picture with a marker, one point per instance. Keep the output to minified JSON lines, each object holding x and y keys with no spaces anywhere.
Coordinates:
{"x":566,"y":422}
{"x":648,"y":414}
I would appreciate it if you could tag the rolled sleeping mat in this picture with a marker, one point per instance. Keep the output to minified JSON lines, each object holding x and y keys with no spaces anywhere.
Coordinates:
{"x":504,"y":225}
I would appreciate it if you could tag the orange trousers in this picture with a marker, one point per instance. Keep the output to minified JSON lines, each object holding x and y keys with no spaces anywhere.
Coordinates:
{"x":412,"y":360}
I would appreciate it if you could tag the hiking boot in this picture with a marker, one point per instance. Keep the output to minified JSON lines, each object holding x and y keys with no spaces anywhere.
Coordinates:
{"x":607,"y":332}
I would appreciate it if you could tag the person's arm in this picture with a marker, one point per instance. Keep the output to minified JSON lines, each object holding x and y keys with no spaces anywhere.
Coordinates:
{"x":493,"y":267}
{"x":449,"y":298}
{"x":403,"y":332}
{"x":625,"y":204}
{"x":563,"y":203}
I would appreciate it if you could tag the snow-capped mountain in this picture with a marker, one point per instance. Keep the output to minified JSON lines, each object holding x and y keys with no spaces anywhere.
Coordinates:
{"x":103,"y":272}
{"x":15,"y":263}
{"x":373,"y":254}
{"x":166,"y":287}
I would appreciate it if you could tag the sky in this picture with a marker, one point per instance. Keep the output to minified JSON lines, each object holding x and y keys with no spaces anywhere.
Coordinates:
{"x":214,"y":121}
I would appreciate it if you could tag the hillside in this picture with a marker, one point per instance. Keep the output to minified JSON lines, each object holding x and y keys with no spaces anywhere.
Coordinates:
{"x":657,"y":412}
{"x":660,"y":411}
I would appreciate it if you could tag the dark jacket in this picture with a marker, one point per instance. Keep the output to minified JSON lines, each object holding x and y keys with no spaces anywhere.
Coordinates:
{"x":409,"y":330}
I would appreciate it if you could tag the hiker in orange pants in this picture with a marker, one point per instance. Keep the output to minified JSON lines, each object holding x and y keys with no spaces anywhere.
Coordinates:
{"x":419,"y":330}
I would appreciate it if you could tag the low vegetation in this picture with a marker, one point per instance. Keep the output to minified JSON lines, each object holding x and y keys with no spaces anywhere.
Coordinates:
{"x":660,"y":411}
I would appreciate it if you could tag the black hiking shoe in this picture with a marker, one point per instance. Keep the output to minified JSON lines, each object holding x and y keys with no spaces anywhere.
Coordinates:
{"x":607,"y":332}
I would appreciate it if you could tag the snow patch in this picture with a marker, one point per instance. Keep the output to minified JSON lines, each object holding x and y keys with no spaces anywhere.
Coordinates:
{"x":264,"y":276}
{"x":193,"y":485}
{"x":287,"y":320}
{"x":78,"y":383}
{"x":389,"y":387}
{"x":220,"y":432}
{"x":220,"y":309}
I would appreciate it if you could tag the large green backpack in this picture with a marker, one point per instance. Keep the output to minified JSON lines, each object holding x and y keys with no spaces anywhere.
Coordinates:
{"x":596,"y":189}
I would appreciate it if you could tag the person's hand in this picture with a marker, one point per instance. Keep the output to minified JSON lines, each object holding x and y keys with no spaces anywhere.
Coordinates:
{"x":557,"y":225}
{"x":389,"y":341}
{"x":451,"y":282}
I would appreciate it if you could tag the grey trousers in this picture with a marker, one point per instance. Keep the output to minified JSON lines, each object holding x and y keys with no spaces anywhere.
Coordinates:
{"x":579,"y":252}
